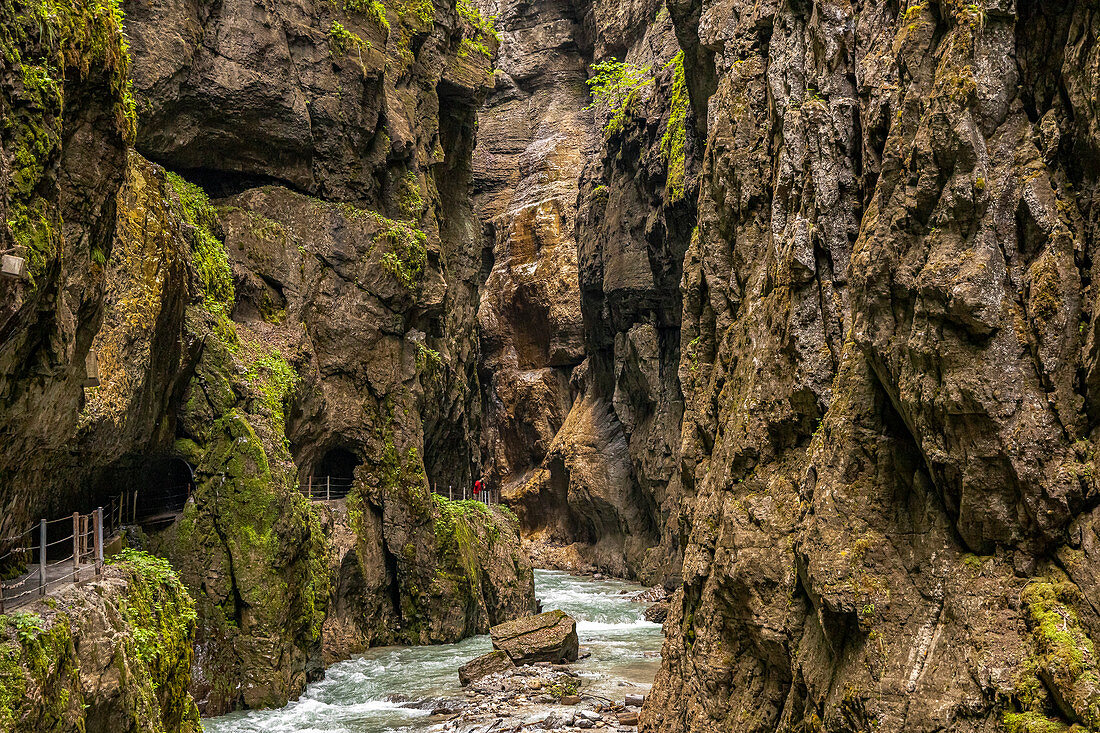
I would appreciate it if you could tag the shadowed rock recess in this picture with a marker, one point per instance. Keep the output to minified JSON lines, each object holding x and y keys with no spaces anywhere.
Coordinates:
{"x":795,"y":314}
{"x":836,"y":278}
{"x":257,"y":218}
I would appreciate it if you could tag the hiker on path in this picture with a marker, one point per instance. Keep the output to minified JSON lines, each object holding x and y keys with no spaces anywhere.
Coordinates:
{"x":477,"y":488}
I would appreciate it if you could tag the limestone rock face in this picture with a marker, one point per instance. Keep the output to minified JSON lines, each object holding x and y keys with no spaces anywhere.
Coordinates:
{"x":887,"y":449}
{"x":301,"y":301}
{"x":67,"y":124}
{"x":479,"y":577}
{"x":113,"y":654}
{"x":583,"y":452}
{"x":547,"y":637}
{"x":486,"y":664}
{"x":534,"y":136}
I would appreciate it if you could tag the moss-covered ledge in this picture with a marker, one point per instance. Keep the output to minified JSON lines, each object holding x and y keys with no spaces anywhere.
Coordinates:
{"x":112,"y":655}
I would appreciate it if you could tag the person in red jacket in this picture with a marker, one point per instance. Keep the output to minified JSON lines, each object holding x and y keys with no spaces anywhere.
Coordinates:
{"x":477,"y":488}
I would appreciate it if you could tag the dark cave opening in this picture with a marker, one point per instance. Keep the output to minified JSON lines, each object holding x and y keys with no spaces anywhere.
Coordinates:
{"x":339,"y":464}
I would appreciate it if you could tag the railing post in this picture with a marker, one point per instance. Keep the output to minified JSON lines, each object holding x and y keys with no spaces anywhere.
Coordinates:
{"x":309,"y":491}
{"x":98,"y":540}
{"x":42,"y":557}
{"x":76,"y":547}
{"x":328,"y":488}
{"x":133,"y":508}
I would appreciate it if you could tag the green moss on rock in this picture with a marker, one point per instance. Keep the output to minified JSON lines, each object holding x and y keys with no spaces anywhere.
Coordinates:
{"x":674,"y":142}
{"x":210,"y":261}
{"x":141,"y":617}
{"x":51,"y":42}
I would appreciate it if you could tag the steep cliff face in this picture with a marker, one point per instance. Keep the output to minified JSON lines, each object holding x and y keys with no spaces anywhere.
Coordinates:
{"x":534,"y":137}
{"x":479,"y":577}
{"x":301,"y":301}
{"x":67,"y":119}
{"x":112,"y":655}
{"x":583,"y":451}
{"x":888,"y":335}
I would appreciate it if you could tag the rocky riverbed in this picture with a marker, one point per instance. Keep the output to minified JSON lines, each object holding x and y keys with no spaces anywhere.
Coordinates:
{"x":390,"y":689}
{"x":539,"y":697}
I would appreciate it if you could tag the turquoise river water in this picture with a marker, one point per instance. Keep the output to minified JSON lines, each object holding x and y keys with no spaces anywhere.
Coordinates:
{"x":355,"y":695}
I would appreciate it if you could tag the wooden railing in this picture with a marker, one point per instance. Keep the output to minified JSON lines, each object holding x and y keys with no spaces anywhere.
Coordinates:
{"x":80,"y":548}
{"x":58,"y":551}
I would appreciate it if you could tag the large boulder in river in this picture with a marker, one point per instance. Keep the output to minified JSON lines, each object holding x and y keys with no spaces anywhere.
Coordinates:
{"x":486,"y":664}
{"x":547,"y":637}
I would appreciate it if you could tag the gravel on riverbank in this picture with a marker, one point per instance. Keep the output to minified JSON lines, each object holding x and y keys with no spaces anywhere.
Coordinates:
{"x":540,"y":697}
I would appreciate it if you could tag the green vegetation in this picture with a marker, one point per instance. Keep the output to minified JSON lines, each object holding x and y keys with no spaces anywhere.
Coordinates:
{"x":485,"y":26}
{"x":152,"y":637}
{"x":615,"y":86}
{"x":408,"y":252}
{"x":160,"y":617}
{"x":276,"y":381}
{"x":1063,"y":659}
{"x":43,"y":41}
{"x":1032,"y":722}
{"x":40,"y":654}
{"x":674,"y":142}
{"x":208,"y":253}
{"x":422,"y":11}
{"x":410,"y":200}
{"x":428,"y":360}
{"x":567,"y":687}
{"x":467,"y":46}
{"x":343,"y":41}
{"x":459,"y":545}
{"x":404,"y":475}
{"x":511,"y":515}
{"x":373,"y":9}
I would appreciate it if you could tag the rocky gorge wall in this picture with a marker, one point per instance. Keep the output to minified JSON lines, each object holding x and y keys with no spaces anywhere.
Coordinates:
{"x":292,"y":279}
{"x":836,"y":282}
{"x":583,"y":400}
{"x":115,"y":659}
{"x":887,"y":447}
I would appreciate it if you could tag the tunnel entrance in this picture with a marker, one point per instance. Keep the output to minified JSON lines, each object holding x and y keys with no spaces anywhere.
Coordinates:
{"x":147,"y":489}
{"x":167,"y":482}
{"x":332,"y":476}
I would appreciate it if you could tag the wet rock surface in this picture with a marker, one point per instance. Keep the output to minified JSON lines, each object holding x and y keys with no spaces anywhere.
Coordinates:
{"x":888,"y":326}
{"x":486,"y":664}
{"x":538,"y":698}
{"x":545,"y":637}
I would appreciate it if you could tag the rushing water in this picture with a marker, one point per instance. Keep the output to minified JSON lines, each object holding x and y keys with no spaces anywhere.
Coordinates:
{"x":354,"y":696}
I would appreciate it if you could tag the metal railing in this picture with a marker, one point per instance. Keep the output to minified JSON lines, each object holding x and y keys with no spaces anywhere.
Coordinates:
{"x":79,"y":548}
{"x":326,"y":488}
{"x":57,"y":551}
{"x":488,"y":496}
{"x":330,"y":488}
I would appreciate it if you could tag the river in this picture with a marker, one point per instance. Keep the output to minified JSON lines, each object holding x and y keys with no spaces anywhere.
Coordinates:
{"x":354,"y":696}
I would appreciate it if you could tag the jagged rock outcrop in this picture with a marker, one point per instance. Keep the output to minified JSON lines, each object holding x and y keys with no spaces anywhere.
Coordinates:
{"x":584,"y":451}
{"x":887,"y":448}
{"x":112,"y":654}
{"x":534,"y":137}
{"x":321,"y":304}
{"x":479,"y":578}
{"x":614,"y":458}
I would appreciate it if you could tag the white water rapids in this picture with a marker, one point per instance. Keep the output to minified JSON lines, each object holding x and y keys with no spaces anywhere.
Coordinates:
{"x":355,"y":696}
